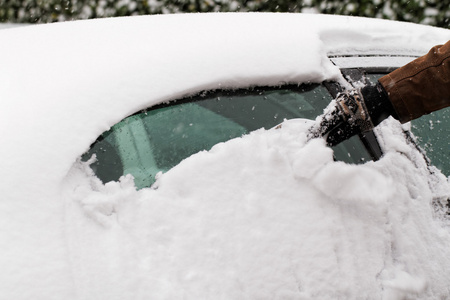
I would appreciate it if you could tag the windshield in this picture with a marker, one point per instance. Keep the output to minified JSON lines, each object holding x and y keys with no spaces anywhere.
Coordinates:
{"x":156,"y":140}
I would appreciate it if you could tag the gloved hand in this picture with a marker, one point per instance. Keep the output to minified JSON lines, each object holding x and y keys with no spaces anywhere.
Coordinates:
{"x":353,"y":112}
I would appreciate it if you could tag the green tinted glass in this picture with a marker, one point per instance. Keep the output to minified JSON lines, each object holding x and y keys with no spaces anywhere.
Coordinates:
{"x":432,"y":132}
{"x":158,"y":139}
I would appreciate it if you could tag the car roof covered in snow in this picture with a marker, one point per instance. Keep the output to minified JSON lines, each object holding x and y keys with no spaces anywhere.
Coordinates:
{"x":64,"y":84}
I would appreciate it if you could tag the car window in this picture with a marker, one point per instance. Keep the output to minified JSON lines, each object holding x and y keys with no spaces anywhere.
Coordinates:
{"x":431,"y":132}
{"x":159,"y":138}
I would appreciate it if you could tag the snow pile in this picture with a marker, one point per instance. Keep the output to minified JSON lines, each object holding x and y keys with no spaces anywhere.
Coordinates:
{"x":265,"y":216}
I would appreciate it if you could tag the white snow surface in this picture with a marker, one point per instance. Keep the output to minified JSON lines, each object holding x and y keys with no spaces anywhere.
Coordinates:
{"x":265,"y":216}
{"x":268,"y":215}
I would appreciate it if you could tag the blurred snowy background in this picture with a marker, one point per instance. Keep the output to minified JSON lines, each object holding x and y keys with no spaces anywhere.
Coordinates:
{"x":430,"y":12}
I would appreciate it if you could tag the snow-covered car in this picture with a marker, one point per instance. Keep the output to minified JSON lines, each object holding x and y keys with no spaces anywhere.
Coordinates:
{"x":166,"y":157}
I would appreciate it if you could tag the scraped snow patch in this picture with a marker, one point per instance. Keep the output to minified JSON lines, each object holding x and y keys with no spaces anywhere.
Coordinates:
{"x":266,"y":216}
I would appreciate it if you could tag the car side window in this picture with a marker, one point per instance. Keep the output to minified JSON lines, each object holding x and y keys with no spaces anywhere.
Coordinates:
{"x":431,"y":132}
{"x":159,"y":138}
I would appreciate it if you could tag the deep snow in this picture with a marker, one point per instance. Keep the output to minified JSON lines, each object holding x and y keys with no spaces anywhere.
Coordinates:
{"x":264,"y":216}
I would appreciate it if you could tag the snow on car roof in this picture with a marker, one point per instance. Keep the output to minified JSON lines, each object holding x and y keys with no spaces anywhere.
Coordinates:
{"x":63,"y":84}
{"x":83,"y":77}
